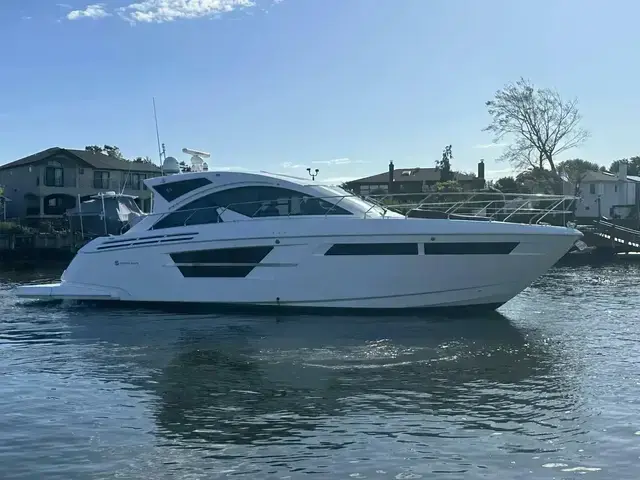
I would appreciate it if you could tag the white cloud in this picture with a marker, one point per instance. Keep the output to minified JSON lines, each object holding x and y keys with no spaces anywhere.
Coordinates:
{"x":291,"y":165}
{"x":64,"y":5}
{"x":159,"y":11}
{"x":490,"y":145}
{"x":338,"y":161}
{"x":335,"y":161}
{"x":92,"y":11}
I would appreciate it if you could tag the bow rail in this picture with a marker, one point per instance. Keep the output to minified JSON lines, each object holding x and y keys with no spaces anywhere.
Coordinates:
{"x":498,"y":206}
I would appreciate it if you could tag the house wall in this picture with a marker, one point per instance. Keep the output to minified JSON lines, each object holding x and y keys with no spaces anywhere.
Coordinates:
{"x":609,"y":193}
{"x":78,"y":179}
{"x":18,"y":182}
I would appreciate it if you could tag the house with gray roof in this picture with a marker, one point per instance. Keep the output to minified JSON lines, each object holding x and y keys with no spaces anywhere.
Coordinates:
{"x":412,"y":180}
{"x":48,"y":183}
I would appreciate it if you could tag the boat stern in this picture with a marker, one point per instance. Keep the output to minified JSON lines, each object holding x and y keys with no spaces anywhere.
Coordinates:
{"x":64,"y":291}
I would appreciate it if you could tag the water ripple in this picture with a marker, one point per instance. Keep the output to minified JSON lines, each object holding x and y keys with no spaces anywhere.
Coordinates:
{"x":549,"y":387}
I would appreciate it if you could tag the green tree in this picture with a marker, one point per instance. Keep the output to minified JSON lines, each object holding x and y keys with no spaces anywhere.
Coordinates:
{"x":538,"y":180}
{"x":448,"y":186}
{"x":633,"y":166}
{"x":539,"y":123}
{"x":142,"y":160}
{"x":113,"y":152}
{"x":93,"y":149}
{"x":444,"y":165}
{"x":574,"y":171}
{"x":507,"y":185}
{"x":108,"y":150}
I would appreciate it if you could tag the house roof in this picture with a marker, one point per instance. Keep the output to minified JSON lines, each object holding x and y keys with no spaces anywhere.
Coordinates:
{"x":593,"y":176}
{"x":412,"y":175}
{"x":96,"y":160}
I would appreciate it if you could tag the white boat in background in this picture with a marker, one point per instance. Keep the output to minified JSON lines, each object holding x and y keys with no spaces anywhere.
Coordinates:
{"x":234,"y":238}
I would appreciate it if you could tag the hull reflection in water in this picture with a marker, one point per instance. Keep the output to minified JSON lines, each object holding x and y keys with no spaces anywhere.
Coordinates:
{"x":247,"y":380}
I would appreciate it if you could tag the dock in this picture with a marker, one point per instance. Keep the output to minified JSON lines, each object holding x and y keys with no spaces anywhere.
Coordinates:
{"x":33,"y":250}
{"x":611,"y":238}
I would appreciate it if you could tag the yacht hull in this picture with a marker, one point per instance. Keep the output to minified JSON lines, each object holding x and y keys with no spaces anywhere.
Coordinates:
{"x":407,"y":265}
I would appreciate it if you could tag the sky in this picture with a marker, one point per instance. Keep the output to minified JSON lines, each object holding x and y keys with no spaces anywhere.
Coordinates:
{"x":282,"y":85}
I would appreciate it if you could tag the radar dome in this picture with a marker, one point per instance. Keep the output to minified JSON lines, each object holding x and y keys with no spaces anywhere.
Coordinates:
{"x":170,"y":166}
{"x":197,"y":162}
{"x":205,"y":167}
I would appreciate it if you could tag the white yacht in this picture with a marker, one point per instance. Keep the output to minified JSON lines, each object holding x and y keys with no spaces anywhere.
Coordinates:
{"x":234,"y":238}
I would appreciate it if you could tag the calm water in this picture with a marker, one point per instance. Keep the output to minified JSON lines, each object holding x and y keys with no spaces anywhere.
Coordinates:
{"x":549,"y":388}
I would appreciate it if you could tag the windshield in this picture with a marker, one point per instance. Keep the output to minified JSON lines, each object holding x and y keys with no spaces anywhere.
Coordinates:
{"x":353,"y":202}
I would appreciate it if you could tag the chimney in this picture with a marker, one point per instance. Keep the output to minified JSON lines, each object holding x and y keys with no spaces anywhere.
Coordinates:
{"x":481,"y":169}
{"x":622,"y":171}
{"x":391,"y":176}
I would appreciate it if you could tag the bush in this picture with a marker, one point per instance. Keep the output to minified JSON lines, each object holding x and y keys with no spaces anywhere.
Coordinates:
{"x":15,"y":228}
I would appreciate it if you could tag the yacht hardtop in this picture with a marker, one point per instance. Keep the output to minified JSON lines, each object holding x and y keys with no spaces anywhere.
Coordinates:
{"x":255,"y":194}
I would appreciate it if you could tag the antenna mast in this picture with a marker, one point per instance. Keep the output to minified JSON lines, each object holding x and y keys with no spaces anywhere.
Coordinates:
{"x":160,"y":147}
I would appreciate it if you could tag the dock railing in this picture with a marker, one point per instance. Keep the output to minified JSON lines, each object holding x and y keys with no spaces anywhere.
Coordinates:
{"x":496,"y":206}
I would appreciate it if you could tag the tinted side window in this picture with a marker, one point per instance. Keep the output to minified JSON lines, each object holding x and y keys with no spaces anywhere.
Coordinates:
{"x":274,"y":201}
{"x":172,"y":190}
{"x":199,"y":212}
{"x":250,"y":202}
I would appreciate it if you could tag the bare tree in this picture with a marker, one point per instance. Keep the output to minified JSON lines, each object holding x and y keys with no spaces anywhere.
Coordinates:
{"x":539,"y":122}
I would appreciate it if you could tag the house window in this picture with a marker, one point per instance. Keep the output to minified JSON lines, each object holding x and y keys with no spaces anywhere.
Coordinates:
{"x":592,"y":188}
{"x":615,"y":188}
{"x":250,"y":202}
{"x":100,"y":179}
{"x":54,"y":202}
{"x":54,"y":174}
{"x":134,"y":181}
